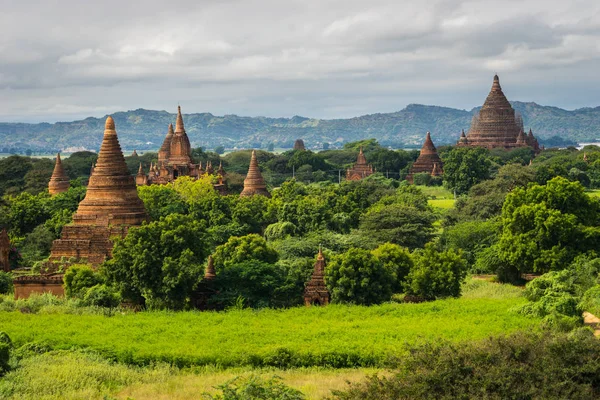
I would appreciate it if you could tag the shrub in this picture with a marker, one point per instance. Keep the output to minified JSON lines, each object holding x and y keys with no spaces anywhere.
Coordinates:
{"x":256,"y":388}
{"x":102,"y":296}
{"x":5,"y":350}
{"x":78,"y":279}
{"x":397,"y":260}
{"x":6,"y":282}
{"x":436,"y":274}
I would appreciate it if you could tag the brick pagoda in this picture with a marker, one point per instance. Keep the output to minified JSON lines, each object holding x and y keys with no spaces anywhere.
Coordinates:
{"x":254,"y":184}
{"x":59,"y":182}
{"x":315,"y":291}
{"x":497,"y":125}
{"x":429,"y":161}
{"x":360,"y":170}
{"x":299,"y":145}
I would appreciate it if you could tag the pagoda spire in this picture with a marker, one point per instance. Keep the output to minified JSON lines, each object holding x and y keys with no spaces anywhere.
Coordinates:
{"x":210,"y":273}
{"x":59,"y":182}
{"x":180,"y":148}
{"x":254,"y":183}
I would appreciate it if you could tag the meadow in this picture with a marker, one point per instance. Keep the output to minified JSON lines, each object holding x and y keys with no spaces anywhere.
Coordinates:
{"x":337,"y":336}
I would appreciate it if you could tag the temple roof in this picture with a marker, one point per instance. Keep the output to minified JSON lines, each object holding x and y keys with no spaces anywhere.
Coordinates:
{"x":59,"y":181}
{"x":496,"y":98}
{"x":180,"y":150}
{"x":254,"y":182}
{"x":361,"y":159}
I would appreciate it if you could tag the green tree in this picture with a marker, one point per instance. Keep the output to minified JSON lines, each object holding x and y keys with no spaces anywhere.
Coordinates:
{"x":159,"y":264}
{"x":436,"y":274}
{"x":245,"y":248}
{"x":6,"y":347}
{"x":465,"y":167}
{"x":357,"y":276}
{"x":6,"y":282}
{"x":78,"y":279}
{"x":161,"y":201}
{"x":397,"y":260}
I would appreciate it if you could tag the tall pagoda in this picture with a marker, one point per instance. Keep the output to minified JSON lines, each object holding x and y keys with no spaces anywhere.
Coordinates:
{"x":497,"y":124}
{"x":315,"y":291}
{"x":361,"y":168}
{"x":254,"y":184}
{"x":428,"y":161}
{"x":59,"y":182}
{"x":111,"y":205}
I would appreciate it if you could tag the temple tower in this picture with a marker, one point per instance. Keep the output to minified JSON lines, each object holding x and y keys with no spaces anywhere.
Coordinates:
{"x":210,"y":273}
{"x":496,"y":124}
{"x":165,"y":149}
{"x":315,"y":291}
{"x":299,"y":145}
{"x":361,"y":169}
{"x":180,"y":150}
{"x":254,"y":184}
{"x":428,"y":161}
{"x":59,"y":182}
{"x":4,"y":251}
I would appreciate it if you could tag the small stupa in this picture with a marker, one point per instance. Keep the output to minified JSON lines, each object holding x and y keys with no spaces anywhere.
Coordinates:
{"x":210,"y":273}
{"x":315,"y":291}
{"x":361,"y":169}
{"x":299,"y":145}
{"x":428,"y":161}
{"x":59,"y":182}
{"x":254,"y":184}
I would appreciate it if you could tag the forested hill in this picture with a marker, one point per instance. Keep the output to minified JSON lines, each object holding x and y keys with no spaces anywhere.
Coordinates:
{"x":145,"y":129}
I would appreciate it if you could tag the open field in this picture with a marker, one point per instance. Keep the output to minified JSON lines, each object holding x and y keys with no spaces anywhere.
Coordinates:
{"x":336,"y":336}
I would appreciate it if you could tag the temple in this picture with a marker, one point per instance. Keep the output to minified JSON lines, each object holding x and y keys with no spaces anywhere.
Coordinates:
{"x":200,"y":298}
{"x":111,"y":205}
{"x":360,"y":170}
{"x":428,"y":161}
{"x":175,"y":160}
{"x":254,"y":184}
{"x":59,"y":182}
{"x":497,"y":125}
{"x":299,"y":145}
{"x":4,"y":251}
{"x":315,"y":291}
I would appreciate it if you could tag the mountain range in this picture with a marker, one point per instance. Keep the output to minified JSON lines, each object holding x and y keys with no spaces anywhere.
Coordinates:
{"x":145,"y":129}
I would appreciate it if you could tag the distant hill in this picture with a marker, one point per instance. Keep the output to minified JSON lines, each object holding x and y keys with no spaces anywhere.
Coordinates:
{"x":145,"y":129}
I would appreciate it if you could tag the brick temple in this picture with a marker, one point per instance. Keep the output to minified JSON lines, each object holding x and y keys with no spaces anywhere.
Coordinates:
{"x":111,"y":205}
{"x":498,"y":125}
{"x":361,"y":169}
{"x":59,"y":181}
{"x":254,"y":184}
{"x":315,"y":291}
{"x":428,"y":161}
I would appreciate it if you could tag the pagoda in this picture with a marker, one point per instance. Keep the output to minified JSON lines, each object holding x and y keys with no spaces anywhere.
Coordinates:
{"x":254,"y":184}
{"x":299,"y":145}
{"x":360,"y":170}
{"x":497,"y":124}
{"x":428,"y":161}
{"x":111,"y":205}
{"x":315,"y":291}
{"x":59,"y":182}
{"x":4,"y":251}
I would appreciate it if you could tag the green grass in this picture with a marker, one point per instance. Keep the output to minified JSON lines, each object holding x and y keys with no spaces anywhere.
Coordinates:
{"x":436,"y":192}
{"x":441,"y":203}
{"x":335,"y":336}
{"x":594,"y":192}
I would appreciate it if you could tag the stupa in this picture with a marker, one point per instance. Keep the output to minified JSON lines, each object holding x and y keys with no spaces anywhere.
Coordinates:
{"x":111,"y":205}
{"x":254,"y":184}
{"x":4,"y":251}
{"x":299,"y":145}
{"x":428,"y":161}
{"x":497,"y":124}
{"x":315,"y":291}
{"x":360,"y":170}
{"x":59,"y":182}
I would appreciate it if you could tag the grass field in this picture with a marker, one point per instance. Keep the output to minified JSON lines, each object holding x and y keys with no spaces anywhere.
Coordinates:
{"x":335,"y":336}
{"x":594,"y":192}
{"x":138,"y":355}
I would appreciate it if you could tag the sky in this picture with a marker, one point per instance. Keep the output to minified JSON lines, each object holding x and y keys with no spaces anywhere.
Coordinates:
{"x":70,"y":59}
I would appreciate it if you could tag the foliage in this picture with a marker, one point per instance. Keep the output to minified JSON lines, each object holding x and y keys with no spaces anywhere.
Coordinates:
{"x":101,"y":296}
{"x":520,"y":366}
{"x":436,"y":274}
{"x":465,"y":167}
{"x":472,"y":237}
{"x":256,"y":388}
{"x":357,"y":276}
{"x":6,"y":282}
{"x":161,"y":201}
{"x":78,"y":279}
{"x":397,"y":260}
{"x":6,"y":347}
{"x":245,"y":248}
{"x":159,"y":263}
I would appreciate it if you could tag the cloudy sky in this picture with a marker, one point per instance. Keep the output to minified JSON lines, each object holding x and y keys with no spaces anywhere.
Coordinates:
{"x":62,"y":60}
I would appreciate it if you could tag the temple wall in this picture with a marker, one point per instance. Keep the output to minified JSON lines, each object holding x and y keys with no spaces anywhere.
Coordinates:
{"x":24,"y":290}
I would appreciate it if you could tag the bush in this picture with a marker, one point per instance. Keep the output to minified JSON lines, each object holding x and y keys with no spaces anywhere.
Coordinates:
{"x":256,"y":388}
{"x":78,"y":279}
{"x":436,"y":274}
{"x":5,"y":350}
{"x":520,"y":366}
{"x":102,"y":296}
{"x":397,"y":260}
{"x":6,"y":282}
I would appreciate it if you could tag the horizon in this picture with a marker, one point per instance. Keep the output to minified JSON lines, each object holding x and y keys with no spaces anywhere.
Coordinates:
{"x":327,"y":60}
